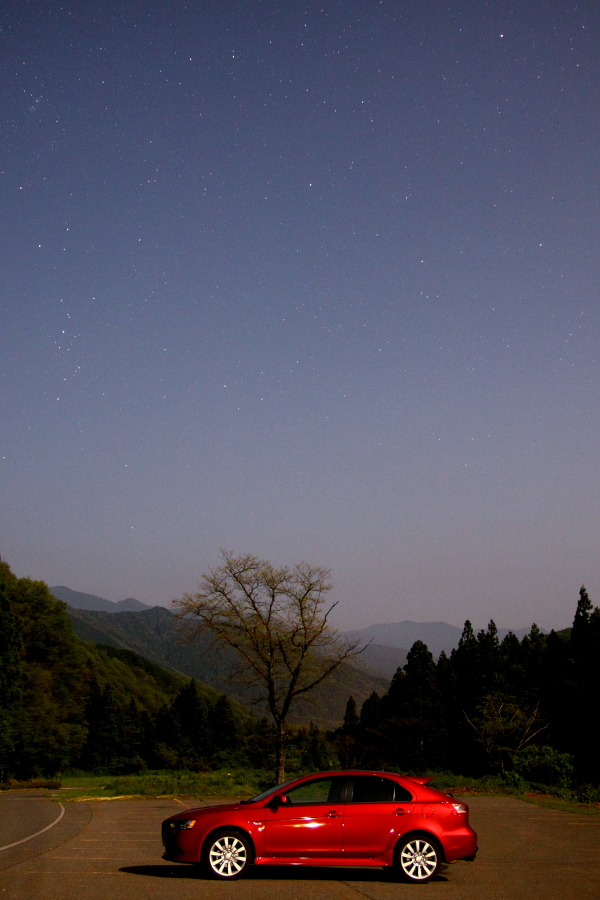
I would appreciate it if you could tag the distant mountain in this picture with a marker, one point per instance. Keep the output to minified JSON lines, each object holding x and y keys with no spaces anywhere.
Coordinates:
{"x":154,"y":633}
{"x":89,"y":601}
{"x":437,"y":635}
{"x":157,"y":634}
{"x":379,"y":660}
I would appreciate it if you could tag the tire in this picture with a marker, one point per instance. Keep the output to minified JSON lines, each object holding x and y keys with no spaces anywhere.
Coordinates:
{"x":228,"y":854}
{"x":417,"y":858}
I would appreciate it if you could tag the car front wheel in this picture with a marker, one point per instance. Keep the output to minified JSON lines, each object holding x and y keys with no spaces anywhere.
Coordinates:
{"x":417,"y":859}
{"x":228,"y":855}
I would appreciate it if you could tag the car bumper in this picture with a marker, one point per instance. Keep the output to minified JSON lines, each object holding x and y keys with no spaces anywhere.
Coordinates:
{"x":461,"y":845}
{"x":179,"y":847}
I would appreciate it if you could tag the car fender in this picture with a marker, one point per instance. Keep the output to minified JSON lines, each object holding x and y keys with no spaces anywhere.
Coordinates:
{"x":421,"y":832}
{"x":208,"y":837}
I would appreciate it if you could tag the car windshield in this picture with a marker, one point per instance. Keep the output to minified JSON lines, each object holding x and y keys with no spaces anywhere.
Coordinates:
{"x":269,"y":791}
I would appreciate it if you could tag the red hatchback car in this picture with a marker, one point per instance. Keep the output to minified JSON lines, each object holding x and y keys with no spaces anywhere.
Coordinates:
{"x":328,"y":819}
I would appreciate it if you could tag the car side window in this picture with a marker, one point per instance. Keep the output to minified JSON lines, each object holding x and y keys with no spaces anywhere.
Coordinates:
{"x":319,"y":790}
{"x":402,"y":794}
{"x":375,"y":789}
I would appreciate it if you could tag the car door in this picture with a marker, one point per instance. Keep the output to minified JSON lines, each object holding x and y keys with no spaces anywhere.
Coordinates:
{"x":309,"y":823}
{"x":377,"y":811}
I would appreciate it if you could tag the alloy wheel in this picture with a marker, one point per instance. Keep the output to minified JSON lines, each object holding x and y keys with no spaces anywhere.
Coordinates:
{"x":228,"y":856}
{"x":418,"y":859}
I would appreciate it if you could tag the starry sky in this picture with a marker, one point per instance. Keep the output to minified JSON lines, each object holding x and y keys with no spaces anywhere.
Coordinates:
{"x":314,"y":281}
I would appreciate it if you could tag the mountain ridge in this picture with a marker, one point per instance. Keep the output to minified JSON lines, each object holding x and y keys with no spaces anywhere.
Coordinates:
{"x":439,"y":636}
{"x":386,"y":645}
{"x":159,"y":636}
{"x":79,"y":600}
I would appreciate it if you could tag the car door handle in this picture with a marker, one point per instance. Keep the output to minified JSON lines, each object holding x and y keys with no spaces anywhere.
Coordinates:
{"x":401,"y":812}
{"x":332,"y":814}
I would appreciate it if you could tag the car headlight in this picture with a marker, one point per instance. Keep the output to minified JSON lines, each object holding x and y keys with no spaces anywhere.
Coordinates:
{"x":182,"y":824}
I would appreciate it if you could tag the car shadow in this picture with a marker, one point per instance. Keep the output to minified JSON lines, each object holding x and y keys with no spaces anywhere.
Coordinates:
{"x":162,"y":871}
{"x":276,"y":873}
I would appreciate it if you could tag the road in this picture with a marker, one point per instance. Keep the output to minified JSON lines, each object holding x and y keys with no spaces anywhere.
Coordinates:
{"x":19,"y":809}
{"x":112,"y":849}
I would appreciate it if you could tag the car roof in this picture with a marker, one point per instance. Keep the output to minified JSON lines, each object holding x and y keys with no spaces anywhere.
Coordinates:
{"x":395,"y":775}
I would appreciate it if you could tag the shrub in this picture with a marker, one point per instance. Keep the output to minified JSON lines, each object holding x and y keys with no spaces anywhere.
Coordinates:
{"x":544,"y":765}
{"x":32,"y":784}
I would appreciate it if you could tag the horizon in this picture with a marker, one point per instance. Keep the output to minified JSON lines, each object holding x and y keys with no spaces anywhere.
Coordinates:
{"x":350,"y":628}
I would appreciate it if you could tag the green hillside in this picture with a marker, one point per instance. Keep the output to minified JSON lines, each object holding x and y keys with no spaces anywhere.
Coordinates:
{"x":161,"y":637}
{"x":157,"y":635}
{"x":150,"y":691}
{"x":67,"y":702}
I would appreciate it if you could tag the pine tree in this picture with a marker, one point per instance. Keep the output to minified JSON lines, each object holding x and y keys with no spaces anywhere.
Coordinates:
{"x":109,"y":728}
{"x":465,"y":662}
{"x":417,"y":728}
{"x":581,"y":622}
{"x":133,"y":738}
{"x":453,"y":718}
{"x":105,"y":736}
{"x":512,"y":668}
{"x":168,"y":739}
{"x":193,"y":720}
{"x":351,"y":717}
{"x":533,"y":650}
{"x":585,"y":648}
{"x":488,"y":658}
{"x":222,"y":726}
{"x":317,"y":753}
{"x":348,"y":737}
{"x":91,"y":754}
{"x":370,"y":713}
{"x":394,"y":693}
{"x":558,"y":691}
{"x":371,"y":730}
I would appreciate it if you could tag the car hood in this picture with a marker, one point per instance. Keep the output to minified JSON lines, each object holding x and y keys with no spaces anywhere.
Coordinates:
{"x":194,"y":812}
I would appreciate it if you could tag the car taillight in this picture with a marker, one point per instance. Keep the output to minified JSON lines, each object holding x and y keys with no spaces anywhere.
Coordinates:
{"x":457,"y":807}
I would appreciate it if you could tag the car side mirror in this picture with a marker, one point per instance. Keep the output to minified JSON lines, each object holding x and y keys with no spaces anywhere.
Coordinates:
{"x":276,"y":801}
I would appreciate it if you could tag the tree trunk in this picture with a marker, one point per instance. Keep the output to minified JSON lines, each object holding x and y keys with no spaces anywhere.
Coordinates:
{"x":279,"y":753}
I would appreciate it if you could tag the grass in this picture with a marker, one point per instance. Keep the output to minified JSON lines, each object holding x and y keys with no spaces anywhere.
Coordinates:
{"x":550,"y":802}
{"x":241,"y":784}
{"x":459,"y":784}
{"x":235,"y":784}
{"x":494,"y":785}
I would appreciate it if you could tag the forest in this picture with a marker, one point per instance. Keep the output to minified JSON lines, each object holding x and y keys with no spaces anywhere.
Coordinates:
{"x":524,"y":710}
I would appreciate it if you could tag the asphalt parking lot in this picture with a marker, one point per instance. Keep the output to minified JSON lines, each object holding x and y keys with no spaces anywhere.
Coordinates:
{"x":112,"y":849}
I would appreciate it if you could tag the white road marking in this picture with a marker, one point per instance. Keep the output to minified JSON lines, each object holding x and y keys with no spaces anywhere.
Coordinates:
{"x":31,"y":836}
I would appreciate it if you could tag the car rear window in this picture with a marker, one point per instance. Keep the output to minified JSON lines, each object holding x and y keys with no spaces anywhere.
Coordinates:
{"x":375,"y":789}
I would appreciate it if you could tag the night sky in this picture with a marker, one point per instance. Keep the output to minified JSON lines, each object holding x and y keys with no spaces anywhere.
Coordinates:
{"x":314,"y":281}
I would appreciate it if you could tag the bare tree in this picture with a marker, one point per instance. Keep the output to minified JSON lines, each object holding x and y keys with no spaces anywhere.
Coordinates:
{"x":277,"y":622}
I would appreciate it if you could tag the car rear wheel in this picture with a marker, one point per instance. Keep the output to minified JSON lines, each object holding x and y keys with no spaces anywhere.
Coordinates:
{"x":228,"y":855}
{"x":417,"y":859}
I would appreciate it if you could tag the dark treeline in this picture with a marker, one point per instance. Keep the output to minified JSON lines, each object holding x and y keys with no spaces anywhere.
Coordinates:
{"x":515,"y":708}
{"x":527,"y":707}
{"x":190,"y":733}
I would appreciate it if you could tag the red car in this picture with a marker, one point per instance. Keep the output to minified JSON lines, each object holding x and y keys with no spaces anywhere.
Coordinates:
{"x":328,"y":819}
